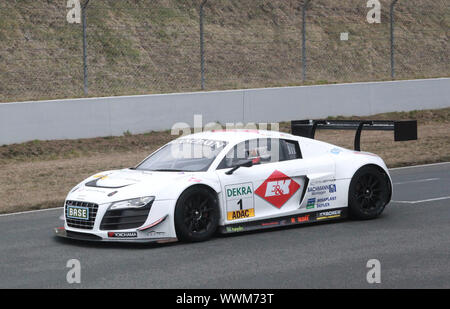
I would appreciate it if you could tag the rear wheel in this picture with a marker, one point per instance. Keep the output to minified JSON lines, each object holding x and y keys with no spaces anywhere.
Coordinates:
{"x":196,"y":214}
{"x":368,"y":193}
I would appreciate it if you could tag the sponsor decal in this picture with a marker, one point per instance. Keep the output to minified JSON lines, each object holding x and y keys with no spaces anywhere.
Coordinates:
{"x":322,"y":189}
{"x":303,"y":219}
{"x":336,"y":151}
{"x":329,"y":214}
{"x":76,"y":212}
{"x":270,"y":223}
{"x":237,"y":130}
{"x":235,"y":228}
{"x":155,"y":234}
{"x":323,"y":205}
{"x":277,"y":189}
{"x":240,"y":201}
{"x":100,"y":177}
{"x":325,"y":201}
{"x":205,"y":142}
{"x":311,"y":203}
{"x":122,"y":234}
{"x":193,"y":179}
{"x":317,"y":182}
{"x":240,"y":214}
{"x":239,"y":191}
{"x":112,"y":193}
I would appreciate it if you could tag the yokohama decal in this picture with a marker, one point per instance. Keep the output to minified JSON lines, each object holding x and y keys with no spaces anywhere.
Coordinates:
{"x":277,"y":189}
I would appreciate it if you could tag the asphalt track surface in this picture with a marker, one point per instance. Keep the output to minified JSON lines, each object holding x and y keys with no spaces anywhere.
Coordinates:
{"x":411,"y":240}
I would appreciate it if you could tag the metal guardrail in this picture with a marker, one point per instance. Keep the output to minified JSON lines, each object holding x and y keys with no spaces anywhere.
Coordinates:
{"x":141,"y":47}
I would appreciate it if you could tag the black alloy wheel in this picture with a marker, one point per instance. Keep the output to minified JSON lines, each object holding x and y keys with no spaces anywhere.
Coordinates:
{"x":368,"y":193}
{"x":196,"y":214}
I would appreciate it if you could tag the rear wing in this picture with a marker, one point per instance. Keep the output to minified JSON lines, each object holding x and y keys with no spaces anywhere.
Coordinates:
{"x":404,"y":130}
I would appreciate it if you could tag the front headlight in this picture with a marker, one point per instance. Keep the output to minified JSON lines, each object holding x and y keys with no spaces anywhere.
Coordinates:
{"x":132,"y":203}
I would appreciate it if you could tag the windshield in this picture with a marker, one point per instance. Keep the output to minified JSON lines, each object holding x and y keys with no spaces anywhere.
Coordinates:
{"x":184,"y":155}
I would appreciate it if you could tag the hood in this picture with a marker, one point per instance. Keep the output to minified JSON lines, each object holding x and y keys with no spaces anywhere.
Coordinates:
{"x":116,"y":179}
{"x":111,"y":186}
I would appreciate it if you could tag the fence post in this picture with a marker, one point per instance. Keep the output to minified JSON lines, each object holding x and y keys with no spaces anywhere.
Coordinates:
{"x":393,"y":3}
{"x":85,"y":72}
{"x":304,"y":8}
{"x":202,"y":47}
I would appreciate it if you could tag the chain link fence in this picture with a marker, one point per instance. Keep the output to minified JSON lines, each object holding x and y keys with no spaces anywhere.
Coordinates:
{"x":142,"y":47}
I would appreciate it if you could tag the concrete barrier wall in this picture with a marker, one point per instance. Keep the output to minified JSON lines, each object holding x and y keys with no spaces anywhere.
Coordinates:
{"x":112,"y":116}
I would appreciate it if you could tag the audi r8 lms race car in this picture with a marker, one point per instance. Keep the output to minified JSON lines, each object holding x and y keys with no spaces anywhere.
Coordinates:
{"x":230,"y":181}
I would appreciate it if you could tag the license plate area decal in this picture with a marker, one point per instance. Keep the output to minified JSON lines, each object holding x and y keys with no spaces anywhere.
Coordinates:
{"x":76,"y":212}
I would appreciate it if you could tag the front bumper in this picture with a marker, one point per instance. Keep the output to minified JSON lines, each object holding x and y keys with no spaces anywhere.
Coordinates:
{"x":85,"y":236}
{"x":158,"y":227}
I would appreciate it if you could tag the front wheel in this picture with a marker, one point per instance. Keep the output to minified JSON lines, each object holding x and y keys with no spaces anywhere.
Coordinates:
{"x":196,"y":214}
{"x":368,"y":193}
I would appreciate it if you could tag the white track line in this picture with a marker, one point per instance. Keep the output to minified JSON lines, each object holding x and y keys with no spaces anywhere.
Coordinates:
{"x":415,"y":181}
{"x":416,"y":166}
{"x":29,"y":212}
{"x":424,"y":201}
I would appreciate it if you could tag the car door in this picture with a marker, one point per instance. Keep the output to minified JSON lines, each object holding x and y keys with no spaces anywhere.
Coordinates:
{"x":272,"y":187}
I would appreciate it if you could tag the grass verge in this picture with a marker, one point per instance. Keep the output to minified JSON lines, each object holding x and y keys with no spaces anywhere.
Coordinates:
{"x":38,"y":174}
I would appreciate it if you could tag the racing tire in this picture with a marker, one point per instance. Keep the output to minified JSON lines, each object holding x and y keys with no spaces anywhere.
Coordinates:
{"x":368,"y":193}
{"x":196,"y":215}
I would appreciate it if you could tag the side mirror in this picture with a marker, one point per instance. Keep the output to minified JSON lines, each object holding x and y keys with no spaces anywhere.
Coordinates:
{"x":246,"y":163}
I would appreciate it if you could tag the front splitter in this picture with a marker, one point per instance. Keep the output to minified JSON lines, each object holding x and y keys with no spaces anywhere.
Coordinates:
{"x":63,"y":233}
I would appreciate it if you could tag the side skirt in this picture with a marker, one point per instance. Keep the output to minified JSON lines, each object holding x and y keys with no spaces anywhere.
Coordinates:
{"x":311,"y":217}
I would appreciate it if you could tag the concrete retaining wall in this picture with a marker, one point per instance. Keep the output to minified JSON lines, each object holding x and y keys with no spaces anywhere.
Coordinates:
{"x":111,"y":116}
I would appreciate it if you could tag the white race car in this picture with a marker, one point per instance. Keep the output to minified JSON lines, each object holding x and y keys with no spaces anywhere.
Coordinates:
{"x":230,"y":181}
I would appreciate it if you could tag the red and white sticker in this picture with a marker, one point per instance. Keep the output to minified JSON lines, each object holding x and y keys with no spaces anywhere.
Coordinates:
{"x":277,"y":189}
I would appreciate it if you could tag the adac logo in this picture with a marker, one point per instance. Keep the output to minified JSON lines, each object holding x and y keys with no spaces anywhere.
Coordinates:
{"x":277,"y":189}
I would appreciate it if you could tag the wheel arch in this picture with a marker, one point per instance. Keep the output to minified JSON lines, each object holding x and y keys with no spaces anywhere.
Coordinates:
{"x":200,"y":185}
{"x":207,"y":184}
{"x":197,"y":188}
{"x":382,"y":171}
{"x":204,"y":187}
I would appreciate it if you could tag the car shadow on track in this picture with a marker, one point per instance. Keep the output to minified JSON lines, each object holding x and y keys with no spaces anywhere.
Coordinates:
{"x":282,"y":228}
{"x":110,"y":245}
{"x":217,"y":237}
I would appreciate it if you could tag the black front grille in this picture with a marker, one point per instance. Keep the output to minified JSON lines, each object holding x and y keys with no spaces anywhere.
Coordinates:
{"x":122,"y":219}
{"x":79,"y":223}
